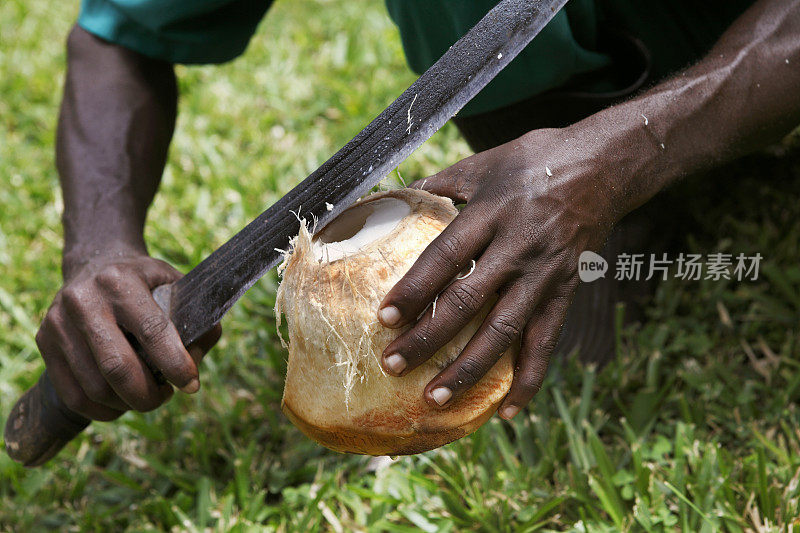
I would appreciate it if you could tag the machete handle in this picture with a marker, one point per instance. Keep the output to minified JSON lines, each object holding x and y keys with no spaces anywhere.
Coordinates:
{"x":40,"y":424}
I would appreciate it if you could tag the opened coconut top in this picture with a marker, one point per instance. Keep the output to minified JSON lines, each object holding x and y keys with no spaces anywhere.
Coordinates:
{"x":358,"y":227}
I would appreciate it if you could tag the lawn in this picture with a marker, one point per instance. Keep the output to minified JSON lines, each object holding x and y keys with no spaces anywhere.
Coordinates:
{"x":695,"y":427}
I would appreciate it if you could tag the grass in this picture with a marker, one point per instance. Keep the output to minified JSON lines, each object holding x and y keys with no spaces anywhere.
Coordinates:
{"x":695,"y":427}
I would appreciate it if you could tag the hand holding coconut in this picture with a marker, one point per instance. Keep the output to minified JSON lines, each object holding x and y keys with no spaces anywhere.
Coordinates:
{"x":535,"y":203}
{"x":532,"y":206}
{"x":501,"y":271}
{"x":336,"y":391}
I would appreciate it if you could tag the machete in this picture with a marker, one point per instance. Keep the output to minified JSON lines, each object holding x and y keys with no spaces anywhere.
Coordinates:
{"x":39,"y":424}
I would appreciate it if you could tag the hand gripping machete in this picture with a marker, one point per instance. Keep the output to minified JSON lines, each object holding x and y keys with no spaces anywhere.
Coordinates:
{"x":39,"y":424}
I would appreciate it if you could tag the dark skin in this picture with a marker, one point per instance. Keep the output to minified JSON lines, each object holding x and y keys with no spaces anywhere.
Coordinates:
{"x":116,"y":122}
{"x":523,"y":225}
{"x":526,"y":228}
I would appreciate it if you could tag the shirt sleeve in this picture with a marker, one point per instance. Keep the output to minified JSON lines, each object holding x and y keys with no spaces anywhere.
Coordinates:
{"x":177,"y":31}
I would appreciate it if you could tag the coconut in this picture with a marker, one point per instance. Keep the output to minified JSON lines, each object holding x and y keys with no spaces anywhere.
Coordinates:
{"x":336,"y":391}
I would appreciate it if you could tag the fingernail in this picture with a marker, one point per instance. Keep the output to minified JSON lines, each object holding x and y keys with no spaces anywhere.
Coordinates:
{"x":441,"y":395}
{"x":509,"y":411}
{"x":389,"y":315}
{"x":396,"y":363}
{"x":191,"y":387}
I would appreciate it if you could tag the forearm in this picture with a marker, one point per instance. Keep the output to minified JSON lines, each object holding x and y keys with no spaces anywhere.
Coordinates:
{"x":116,"y":122}
{"x":742,"y":96}
{"x":115,"y":125}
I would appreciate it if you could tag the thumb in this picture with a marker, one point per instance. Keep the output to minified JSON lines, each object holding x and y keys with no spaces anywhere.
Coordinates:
{"x":202,"y":345}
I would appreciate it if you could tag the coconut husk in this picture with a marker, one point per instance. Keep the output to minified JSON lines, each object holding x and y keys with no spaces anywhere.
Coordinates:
{"x":336,"y":391}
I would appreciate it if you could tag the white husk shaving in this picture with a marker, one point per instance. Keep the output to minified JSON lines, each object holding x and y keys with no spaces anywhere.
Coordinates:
{"x":347,"y":354}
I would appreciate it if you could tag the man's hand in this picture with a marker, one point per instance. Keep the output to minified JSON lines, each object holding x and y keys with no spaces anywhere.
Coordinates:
{"x":83,"y":340}
{"x":115,"y":126}
{"x":535,"y":203}
{"x":532,"y":206}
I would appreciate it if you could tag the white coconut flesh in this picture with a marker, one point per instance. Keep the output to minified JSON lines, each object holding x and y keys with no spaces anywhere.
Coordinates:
{"x":359,"y":227}
{"x":336,"y":390}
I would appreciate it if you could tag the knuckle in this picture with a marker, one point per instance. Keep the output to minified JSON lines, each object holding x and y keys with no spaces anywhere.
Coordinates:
{"x":40,"y":341}
{"x":51,"y":332}
{"x":154,"y":329}
{"x":446,"y":248}
{"x":463,"y":185}
{"x":530,"y":383}
{"x":76,"y":298}
{"x":469,"y":372}
{"x":111,"y":277}
{"x":547,"y":343}
{"x":503,"y":330}
{"x":409,"y":289}
{"x":168,"y":273}
{"x":42,"y":335}
{"x":116,"y":369}
{"x":563,"y":295}
{"x":559,"y":260}
{"x":52,"y":323}
{"x":421,"y":342}
{"x":464,"y":297}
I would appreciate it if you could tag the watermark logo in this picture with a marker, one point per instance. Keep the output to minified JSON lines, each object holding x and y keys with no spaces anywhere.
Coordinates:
{"x":694,"y":267}
{"x":591,"y":266}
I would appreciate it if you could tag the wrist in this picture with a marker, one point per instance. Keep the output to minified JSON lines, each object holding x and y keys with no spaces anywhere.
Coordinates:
{"x":77,"y":256}
{"x":629,"y":161}
{"x":587,"y":157}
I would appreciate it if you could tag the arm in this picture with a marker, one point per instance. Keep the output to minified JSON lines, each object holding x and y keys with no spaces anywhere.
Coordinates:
{"x":534,"y":204}
{"x":116,"y":121}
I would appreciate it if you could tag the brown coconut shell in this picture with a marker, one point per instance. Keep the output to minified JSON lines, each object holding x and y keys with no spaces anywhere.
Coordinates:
{"x":336,"y":391}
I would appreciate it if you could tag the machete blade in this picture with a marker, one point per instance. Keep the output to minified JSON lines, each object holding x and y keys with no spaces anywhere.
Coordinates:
{"x":40,"y":424}
{"x":199,"y":299}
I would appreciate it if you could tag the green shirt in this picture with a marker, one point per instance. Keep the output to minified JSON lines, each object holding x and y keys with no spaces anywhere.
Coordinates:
{"x":565,"y":47}
{"x":677,"y":32}
{"x":178,"y":31}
